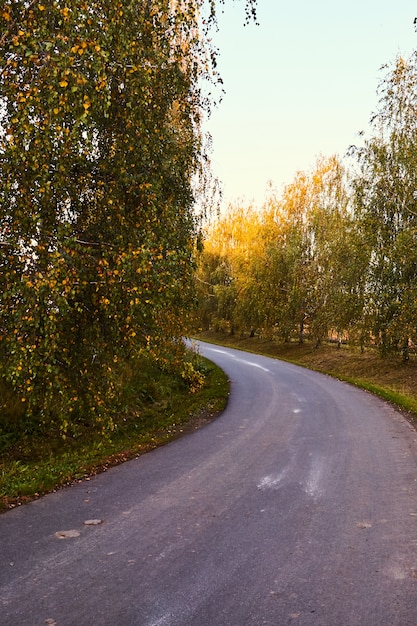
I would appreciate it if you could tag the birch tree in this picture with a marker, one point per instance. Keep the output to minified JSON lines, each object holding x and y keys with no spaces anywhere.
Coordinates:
{"x":386,"y":209}
{"x":100,"y":140}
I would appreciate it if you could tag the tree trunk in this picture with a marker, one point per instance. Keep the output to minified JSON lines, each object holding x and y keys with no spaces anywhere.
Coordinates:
{"x":405,"y":350}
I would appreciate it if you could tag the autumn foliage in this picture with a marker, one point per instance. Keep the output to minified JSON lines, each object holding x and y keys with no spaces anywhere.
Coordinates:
{"x":100,"y":142}
{"x":334,"y":255}
{"x":285,"y":270}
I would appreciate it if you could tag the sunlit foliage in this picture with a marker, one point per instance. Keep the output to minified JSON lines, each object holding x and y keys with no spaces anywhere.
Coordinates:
{"x":285,"y":270}
{"x":334,"y":255}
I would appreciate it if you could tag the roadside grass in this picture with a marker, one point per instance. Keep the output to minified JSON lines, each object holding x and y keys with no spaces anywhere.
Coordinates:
{"x":160,"y":408}
{"x":390,"y":378}
{"x":33,"y":463}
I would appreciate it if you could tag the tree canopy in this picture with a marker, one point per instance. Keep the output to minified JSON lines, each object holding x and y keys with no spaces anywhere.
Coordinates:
{"x":100,"y":142}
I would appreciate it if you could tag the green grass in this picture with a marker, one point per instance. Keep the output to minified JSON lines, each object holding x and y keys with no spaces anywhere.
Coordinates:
{"x":34,"y":463}
{"x":160,"y":408}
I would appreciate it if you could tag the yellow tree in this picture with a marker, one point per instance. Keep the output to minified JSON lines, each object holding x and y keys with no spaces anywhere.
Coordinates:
{"x":306,"y":271}
{"x":232,"y":245}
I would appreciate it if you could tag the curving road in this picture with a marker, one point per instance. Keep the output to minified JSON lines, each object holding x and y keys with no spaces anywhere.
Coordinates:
{"x":297,"y":506}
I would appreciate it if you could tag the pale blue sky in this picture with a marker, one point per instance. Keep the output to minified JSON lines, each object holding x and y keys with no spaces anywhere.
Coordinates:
{"x":300,"y":84}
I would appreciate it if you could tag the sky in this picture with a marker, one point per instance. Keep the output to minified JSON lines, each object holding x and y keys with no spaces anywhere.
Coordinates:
{"x":302,"y":83}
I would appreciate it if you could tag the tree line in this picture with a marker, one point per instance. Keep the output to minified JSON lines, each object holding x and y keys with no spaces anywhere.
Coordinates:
{"x":335,"y":254}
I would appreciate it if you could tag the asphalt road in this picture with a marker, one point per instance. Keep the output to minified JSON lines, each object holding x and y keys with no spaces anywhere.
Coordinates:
{"x":297,"y":506}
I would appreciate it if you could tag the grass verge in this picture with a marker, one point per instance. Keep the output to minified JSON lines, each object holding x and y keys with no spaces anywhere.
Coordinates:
{"x":36,"y":464}
{"x":390,"y":378}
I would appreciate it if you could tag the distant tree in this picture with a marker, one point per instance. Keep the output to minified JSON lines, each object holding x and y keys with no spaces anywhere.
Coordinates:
{"x":290,"y":267}
{"x":224,"y":269}
{"x":334,"y":271}
{"x":386,"y":209}
{"x":305,"y":270}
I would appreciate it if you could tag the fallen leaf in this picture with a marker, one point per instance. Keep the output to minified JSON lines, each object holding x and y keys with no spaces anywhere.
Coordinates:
{"x":93,"y":522}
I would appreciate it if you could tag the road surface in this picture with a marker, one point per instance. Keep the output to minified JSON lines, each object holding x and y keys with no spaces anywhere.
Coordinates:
{"x":297,"y":506}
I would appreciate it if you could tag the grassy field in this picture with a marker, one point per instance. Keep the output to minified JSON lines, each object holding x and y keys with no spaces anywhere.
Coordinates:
{"x":390,"y":378}
{"x":33,"y":463}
